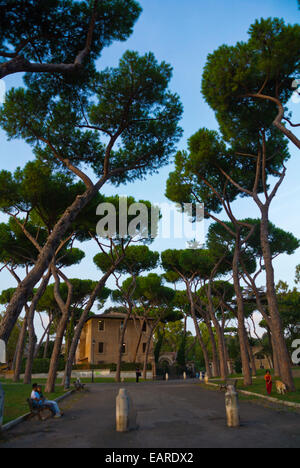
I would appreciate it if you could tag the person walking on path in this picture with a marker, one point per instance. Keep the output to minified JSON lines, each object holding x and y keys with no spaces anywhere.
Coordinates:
{"x":138,"y":374}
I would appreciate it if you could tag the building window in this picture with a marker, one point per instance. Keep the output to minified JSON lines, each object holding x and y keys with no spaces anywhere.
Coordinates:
{"x":100,"y":348}
{"x":124,"y":348}
{"x":122,"y":325}
{"x":101,"y":325}
{"x":144,"y":347}
{"x":144,"y":329}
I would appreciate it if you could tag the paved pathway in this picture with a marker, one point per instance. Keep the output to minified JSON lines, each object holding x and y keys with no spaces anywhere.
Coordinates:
{"x":170,"y":415}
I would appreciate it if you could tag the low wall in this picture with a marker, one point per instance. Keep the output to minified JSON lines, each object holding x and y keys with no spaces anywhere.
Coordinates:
{"x":101,"y":373}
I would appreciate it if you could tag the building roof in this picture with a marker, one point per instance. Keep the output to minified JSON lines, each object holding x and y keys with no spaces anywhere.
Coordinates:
{"x":114,"y":315}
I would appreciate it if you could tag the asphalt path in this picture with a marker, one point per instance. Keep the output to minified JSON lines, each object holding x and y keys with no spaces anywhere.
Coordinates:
{"x":169,"y":415}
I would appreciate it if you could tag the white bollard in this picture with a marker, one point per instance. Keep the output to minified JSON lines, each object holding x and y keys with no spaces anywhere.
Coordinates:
{"x":122,"y":411}
{"x":184,"y":376}
{"x":232,"y":407}
{"x":167,"y":376}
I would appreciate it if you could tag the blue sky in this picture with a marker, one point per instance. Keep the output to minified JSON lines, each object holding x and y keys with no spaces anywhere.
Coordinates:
{"x":183,"y":33}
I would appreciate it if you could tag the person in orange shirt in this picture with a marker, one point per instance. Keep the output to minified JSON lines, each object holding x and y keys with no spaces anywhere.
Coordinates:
{"x":269,"y":383}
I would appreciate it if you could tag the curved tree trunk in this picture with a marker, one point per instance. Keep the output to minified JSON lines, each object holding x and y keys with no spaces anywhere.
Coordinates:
{"x":197,"y":330}
{"x":47,"y":343}
{"x":50,"y":385}
{"x":45,"y":257}
{"x":220,"y":335}
{"x":284,"y":362}
{"x":62,"y":325}
{"x":216,"y":363}
{"x":80,"y":325}
{"x":207,"y":320}
{"x":240,"y":312}
{"x":138,"y":345}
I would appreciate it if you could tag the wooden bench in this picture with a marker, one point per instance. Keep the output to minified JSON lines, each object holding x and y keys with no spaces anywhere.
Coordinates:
{"x":38,"y":410}
{"x":79,"y":386}
{"x":228,"y":382}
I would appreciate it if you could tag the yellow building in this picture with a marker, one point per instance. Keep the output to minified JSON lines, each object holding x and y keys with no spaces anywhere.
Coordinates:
{"x":100,"y":338}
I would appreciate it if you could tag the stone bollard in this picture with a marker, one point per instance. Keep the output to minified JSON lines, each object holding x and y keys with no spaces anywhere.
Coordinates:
{"x":1,"y":406}
{"x":167,"y":376}
{"x":184,"y":376}
{"x":122,"y":411}
{"x":232,"y":407}
{"x":126,"y":415}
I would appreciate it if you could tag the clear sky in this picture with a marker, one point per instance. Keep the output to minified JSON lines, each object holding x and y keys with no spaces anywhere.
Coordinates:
{"x":183,"y":33}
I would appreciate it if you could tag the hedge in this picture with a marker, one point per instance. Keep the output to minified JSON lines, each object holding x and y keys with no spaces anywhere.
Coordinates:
{"x":41,"y":366}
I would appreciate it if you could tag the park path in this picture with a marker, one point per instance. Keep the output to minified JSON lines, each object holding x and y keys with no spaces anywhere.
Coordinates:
{"x":170,"y":415}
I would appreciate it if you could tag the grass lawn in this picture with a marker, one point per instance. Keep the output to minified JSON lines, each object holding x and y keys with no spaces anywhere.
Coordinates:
{"x":259,"y":387}
{"x":15,"y":403}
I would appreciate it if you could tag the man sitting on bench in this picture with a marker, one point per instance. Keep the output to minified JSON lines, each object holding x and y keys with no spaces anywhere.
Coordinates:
{"x":38,"y":400}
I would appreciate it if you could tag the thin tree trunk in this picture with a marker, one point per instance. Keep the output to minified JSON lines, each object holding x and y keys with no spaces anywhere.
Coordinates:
{"x":46,"y":332}
{"x":137,"y":346}
{"x":64,"y":308}
{"x":148,"y":344}
{"x":20,"y":348}
{"x":216,"y":363}
{"x":48,"y":338}
{"x":81,"y":323}
{"x":50,"y":385}
{"x":120,"y":350}
{"x":207,"y":320}
{"x":220,"y":335}
{"x":252,"y":359}
{"x":276,"y":323}
{"x":240,"y":312}
{"x":140,"y":334}
{"x":197,"y":330}
{"x":31,"y":332}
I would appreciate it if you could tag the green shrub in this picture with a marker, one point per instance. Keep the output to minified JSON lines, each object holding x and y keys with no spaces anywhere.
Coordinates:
{"x":41,"y":366}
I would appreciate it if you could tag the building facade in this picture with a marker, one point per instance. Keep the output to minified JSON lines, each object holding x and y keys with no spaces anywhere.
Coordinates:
{"x":100,"y":338}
